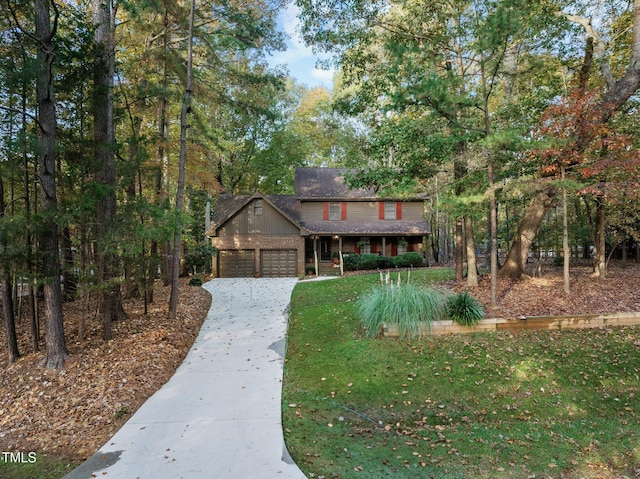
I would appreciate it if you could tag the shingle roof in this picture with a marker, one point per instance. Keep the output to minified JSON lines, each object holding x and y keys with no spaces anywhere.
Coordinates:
{"x":327,"y":183}
{"x":288,"y":204}
{"x":367,"y":227}
{"x":317,"y":184}
{"x":226,"y":206}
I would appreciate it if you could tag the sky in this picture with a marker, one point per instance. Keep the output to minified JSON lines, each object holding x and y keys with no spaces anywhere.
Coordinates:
{"x":299,"y":59}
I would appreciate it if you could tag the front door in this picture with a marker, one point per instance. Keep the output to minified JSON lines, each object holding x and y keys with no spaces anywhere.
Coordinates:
{"x":325,"y":248}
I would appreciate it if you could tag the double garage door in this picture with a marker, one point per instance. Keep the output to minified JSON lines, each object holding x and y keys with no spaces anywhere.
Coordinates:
{"x":241,"y":263}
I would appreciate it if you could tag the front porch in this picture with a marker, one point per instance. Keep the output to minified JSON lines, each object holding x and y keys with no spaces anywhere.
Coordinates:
{"x":326,"y":253}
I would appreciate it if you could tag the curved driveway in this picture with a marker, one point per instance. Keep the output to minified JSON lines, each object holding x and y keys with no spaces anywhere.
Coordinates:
{"x":219,"y":416}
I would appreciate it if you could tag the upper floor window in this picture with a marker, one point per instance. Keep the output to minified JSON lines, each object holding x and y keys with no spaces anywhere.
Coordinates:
{"x":257,"y":208}
{"x":335,"y":211}
{"x":390,"y":210}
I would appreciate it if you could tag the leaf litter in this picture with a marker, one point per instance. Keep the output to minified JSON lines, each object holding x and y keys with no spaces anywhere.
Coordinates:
{"x":74,"y":411}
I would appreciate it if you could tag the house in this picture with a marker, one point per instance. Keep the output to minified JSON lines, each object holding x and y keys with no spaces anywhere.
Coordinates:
{"x":277,"y":235}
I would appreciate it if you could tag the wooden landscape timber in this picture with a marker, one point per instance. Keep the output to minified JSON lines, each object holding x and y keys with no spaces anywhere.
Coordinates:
{"x":577,"y":321}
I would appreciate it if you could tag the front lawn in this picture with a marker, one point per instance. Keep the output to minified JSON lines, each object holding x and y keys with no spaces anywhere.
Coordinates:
{"x":511,"y":405}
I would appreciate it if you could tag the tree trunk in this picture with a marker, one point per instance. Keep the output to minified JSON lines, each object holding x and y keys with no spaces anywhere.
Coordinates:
{"x":33,"y":313}
{"x":515,"y":264}
{"x":162,"y":183}
{"x":134,"y":268}
{"x":104,"y":139}
{"x":493,"y":233}
{"x":565,"y":237}
{"x":459,"y":250}
{"x":599,"y":255}
{"x":55,"y":345}
{"x":472,"y":266}
{"x":434,"y":239}
{"x":186,"y":108}
{"x":7,"y":296}
{"x":69,"y":279}
{"x":9,"y":318}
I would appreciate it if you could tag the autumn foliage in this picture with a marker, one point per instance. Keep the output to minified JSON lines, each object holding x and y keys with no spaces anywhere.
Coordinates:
{"x":610,"y":163}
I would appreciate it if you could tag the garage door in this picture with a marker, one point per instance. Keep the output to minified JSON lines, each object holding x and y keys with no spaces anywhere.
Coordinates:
{"x":278,"y":263}
{"x":236,"y":263}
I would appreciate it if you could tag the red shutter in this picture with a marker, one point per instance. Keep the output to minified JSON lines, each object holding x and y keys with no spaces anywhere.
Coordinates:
{"x":325,"y":211}
{"x":343,"y":211}
{"x":381,"y":210}
{"x":398,"y":210}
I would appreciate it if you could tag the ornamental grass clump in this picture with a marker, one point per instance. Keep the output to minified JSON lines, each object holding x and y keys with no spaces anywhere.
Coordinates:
{"x":408,"y":306}
{"x":464,"y":309}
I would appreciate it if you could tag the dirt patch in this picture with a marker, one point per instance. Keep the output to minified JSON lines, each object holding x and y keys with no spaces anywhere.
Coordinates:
{"x":76,"y":410}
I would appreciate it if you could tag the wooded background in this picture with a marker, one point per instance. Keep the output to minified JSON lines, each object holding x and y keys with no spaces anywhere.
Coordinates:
{"x":120,"y":121}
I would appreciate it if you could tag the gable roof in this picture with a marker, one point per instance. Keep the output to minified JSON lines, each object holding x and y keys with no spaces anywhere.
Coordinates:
{"x":228,"y":205}
{"x":318,"y":184}
{"x":327,"y":183}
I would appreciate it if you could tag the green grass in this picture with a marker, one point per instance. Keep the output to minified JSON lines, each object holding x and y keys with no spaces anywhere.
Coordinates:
{"x":531,"y":404}
{"x":35,"y":467}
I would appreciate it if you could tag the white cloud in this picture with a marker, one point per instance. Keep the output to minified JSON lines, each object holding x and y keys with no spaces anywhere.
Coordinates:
{"x":299,"y":58}
{"x":323,"y":75}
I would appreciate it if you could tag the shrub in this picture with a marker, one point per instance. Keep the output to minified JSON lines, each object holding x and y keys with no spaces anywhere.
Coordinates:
{"x":414,"y":259}
{"x":198,"y":258}
{"x":369,"y":261}
{"x":195,"y":281}
{"x":464,"y":309}
{"x":400,"y":262}
{"x":310,"y":270}
{"x":383,"y":262}
{"x":406,"y":306}
{"x":407,"y":259}
{"x":352,"y":261}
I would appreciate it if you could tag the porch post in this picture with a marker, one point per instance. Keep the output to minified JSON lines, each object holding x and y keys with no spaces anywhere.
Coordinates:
{"x":384,"y":245}
{"x":340,"y":253}
{"x":315,"y":255}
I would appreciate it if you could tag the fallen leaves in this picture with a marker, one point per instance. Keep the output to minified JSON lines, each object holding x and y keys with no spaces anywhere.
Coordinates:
{"x":545,"y":296}
{"x":74,"y":411}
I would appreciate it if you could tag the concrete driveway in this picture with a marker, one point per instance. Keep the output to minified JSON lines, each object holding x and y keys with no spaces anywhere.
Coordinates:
{"x":219,"y":416}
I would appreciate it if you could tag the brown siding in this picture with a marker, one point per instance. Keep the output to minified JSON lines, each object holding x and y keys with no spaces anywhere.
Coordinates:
{"x":247,"y":222}
{"x":312,"y":210}
{"x":363,"y":211}
{"x":412,"y":211}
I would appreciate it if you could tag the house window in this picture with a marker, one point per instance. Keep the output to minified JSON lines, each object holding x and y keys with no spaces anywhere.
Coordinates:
{"x":364,"y":245}
{"x":402,"y":246}
{"x":257,"y":208}
{"x":334,"y":211}
{"x":390,"y":210}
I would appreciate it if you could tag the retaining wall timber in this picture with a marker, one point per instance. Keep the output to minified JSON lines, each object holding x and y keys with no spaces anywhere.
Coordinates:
{"x":578,"y":321}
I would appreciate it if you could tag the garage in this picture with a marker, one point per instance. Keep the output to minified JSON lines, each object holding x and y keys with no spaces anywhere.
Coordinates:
{"x":278,"y":263}
{"x":236,"y":263}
